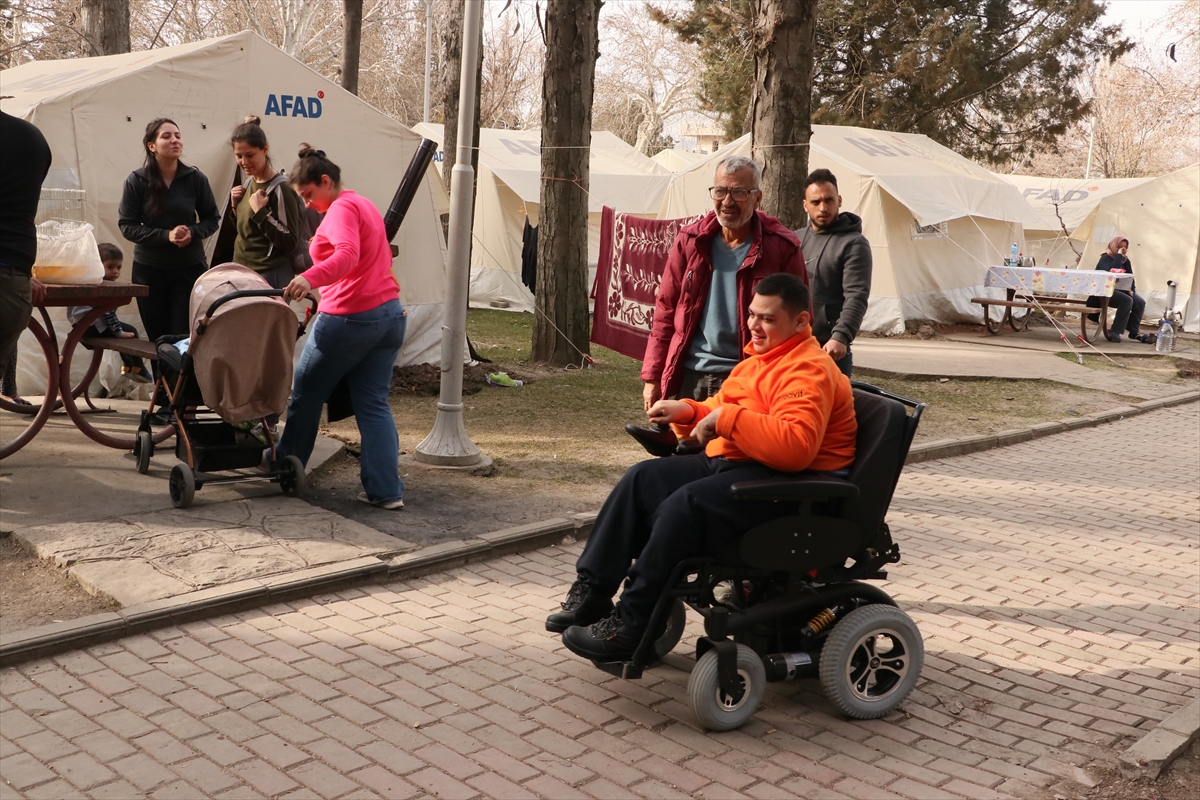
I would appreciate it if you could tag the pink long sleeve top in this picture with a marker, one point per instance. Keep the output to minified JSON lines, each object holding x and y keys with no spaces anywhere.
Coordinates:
{"x":352,"y":262}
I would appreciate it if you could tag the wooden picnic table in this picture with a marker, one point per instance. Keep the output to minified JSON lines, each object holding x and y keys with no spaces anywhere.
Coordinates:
{"x":60,"y":393}
{"x":1045,"y":289}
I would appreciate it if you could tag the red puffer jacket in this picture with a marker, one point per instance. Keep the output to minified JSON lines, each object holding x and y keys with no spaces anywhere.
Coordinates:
{"x":684,"y":288}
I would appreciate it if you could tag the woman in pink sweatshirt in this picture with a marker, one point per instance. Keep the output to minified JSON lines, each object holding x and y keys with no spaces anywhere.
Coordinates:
{"x":358,"y":332}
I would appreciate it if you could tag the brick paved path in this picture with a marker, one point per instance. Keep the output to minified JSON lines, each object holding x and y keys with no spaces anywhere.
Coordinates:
{"x":1058,"y":601}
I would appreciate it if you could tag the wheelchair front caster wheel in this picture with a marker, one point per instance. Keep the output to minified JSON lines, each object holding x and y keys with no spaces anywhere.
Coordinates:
{"x":871,"y":661}
{"x":716,"y":710}
{"x":143,"y":449}
{"x":291,"y":476}
{"x":182,"y":486}
{"x":674,"y":630}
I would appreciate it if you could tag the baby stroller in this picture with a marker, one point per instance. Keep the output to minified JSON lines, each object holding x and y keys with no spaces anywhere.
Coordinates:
{"x":786,"y":601}
{"x":233,"y":373}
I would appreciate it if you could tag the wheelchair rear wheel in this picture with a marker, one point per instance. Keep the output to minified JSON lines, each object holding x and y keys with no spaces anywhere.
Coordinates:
{"x":716,"y":710}
{"x":871,"y":661}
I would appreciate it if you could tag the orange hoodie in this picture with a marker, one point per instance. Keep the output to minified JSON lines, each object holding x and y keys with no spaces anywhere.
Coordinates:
{"x":790,"y":408}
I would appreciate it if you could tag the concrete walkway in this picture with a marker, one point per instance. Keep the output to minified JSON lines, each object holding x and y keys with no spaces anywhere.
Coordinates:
{"x":982,"y":358}
{"x":1058,"y":608}
{"x":84,"y":507}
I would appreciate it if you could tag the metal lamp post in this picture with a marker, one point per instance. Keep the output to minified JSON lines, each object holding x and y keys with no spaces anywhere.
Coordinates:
{"x":447,"y":444}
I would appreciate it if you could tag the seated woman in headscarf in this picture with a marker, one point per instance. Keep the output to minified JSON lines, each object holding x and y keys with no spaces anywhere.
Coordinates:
{"x":1129,"y":304}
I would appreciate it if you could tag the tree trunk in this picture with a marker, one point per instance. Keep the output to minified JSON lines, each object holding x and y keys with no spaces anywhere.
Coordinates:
{"x":781,"y":107}
{"x":560,"y":329}
{"x":114,"y":29}
{"x":351,"y":43}
{"x":91,"y":27}
{"x":451,"y":69}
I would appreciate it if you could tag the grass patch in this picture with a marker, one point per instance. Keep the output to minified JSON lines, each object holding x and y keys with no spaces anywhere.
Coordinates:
{"x":1160,"y":369}
{"x":566,"y":427}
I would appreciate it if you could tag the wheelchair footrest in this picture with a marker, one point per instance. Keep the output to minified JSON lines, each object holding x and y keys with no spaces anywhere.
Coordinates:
{"x":622,"y":669}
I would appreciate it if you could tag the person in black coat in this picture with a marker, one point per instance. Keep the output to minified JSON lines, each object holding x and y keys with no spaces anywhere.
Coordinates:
{"x":1129,"y":304}
{"x":25,"y":167}
{"x":167,"y":210}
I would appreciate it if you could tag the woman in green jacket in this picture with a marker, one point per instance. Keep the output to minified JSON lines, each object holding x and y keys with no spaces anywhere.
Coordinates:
{"x":267,"y":210}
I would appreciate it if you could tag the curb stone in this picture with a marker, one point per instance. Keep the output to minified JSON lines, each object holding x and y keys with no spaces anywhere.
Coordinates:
{"x":1151,"y":754}
{"x":47,"y":640}
{"x":945,"y":448}
{"x":58,"y":637}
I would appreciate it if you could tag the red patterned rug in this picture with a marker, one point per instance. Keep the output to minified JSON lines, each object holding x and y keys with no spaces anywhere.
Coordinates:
{"x":633,"y":254}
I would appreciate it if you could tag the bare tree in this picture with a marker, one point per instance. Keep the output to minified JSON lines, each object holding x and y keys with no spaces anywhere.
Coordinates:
{"x":646,"y":76}
{"x":1145,"y":118}
{"x":781,"y":106}
{"x":560,"y":326}
{"x":352,"y":15}
{"x":511,"y":69}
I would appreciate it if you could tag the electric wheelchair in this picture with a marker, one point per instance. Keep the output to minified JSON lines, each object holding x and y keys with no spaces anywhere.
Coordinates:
{"x":786,"y":601}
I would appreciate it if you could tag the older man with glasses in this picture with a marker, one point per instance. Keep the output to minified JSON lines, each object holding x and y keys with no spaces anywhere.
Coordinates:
{"x":699,"y":332}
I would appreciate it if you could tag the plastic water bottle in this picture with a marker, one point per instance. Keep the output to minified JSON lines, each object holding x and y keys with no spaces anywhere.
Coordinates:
{"x":1012,"y":259}
{"x":1166,"y":338}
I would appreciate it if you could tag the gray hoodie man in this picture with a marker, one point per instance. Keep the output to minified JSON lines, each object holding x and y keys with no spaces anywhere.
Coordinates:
{"x":838,"y":258}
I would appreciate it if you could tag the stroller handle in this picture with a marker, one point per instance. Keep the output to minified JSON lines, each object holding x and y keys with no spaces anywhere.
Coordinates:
{"x":309,"y":312}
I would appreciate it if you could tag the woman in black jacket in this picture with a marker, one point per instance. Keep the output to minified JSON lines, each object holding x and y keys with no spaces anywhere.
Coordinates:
{"x":167,"y":210}
{"x":1129,"y":304}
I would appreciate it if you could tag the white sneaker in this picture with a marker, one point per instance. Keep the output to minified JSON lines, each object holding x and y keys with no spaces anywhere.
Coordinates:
{"x":390,"y":505}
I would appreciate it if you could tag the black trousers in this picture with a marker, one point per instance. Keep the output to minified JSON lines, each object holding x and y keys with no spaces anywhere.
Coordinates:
{"x":165,"y":309}
{"x":663,"y":511}
{"x":1130,"y":307}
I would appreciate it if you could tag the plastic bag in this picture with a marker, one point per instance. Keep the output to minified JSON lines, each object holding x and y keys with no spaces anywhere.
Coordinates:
{"x":66,"y":253}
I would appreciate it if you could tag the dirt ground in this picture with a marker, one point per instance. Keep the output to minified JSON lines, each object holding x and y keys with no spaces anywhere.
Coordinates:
{"x":32,"y":592}
{"x":1179,"y":781}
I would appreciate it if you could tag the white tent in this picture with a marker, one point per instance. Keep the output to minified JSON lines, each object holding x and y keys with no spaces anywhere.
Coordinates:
{"x":93,"y":112}
{"x":676,"y":160}
{"x":935,"y":220}
{"x":1161,"y":219}
{"x":509,"y":190}
{"x":1062,"y":202}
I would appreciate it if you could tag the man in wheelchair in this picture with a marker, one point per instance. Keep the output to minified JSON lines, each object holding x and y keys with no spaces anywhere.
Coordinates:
{"x":786,"y":408}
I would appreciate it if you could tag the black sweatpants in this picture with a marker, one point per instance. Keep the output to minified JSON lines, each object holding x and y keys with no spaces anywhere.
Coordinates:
{"x":663,"y":511}
{"x":165,"y":309}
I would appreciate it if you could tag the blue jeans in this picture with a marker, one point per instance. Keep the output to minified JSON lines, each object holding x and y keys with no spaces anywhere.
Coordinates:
{"x":362,"y":348}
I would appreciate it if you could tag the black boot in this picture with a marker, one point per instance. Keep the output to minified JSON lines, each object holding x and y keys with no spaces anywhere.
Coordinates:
{"x":610,"y":639}
{"x":584,"y":605}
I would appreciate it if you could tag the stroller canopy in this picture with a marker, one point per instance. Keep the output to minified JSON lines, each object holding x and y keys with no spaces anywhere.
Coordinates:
{"x":243,"y":359}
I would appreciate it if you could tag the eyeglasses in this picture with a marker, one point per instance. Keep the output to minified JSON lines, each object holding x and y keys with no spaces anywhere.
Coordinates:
{"x":720,"y":193}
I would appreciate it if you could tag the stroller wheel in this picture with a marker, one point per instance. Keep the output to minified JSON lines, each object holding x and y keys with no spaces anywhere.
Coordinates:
{"x":182,"y":485}
{"x":871,"y":661}
{"x":674,"y":631}
{"x":143,"y":449}
{"x":291,"y":476}
{"x":716,"y":710}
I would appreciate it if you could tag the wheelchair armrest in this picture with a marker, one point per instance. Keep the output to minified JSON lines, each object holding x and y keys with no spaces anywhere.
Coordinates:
{"x":795,"y":489}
